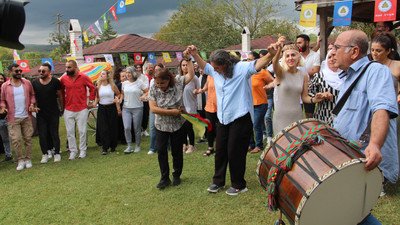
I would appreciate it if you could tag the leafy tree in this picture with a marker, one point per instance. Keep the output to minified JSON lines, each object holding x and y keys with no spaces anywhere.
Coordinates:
{"x":63,"y":41}
{"x":285,"y":27}
{"x":34,"y":58}
{"x":368,"y":28}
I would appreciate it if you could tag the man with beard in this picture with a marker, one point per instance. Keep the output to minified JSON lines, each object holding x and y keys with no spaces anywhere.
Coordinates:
{"x":47,"y":89}
{"x":18,"y":100}
{"x":312,"y":63}
{"x":5,"y":139}
{"x":74,"y":92}
{"x":146,"y":109}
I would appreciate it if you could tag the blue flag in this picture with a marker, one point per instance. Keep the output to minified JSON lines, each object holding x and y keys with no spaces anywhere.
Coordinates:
{"x":342,"y":13}
{"x":121,"y":8}
{"x":49,"y":61}
{"x":152,"y":58}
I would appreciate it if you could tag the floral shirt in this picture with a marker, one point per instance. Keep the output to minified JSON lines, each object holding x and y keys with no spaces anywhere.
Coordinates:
{"x":172,"y":98}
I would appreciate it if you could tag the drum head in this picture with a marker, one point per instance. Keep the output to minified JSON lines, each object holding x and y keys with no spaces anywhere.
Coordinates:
{"x":345,"y":197}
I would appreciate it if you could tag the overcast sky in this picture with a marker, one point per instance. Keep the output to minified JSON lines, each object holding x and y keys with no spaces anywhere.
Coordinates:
{"x":144,"y":17}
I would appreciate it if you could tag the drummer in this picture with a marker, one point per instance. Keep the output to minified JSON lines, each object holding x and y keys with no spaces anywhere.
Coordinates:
{"x":377,"y":108}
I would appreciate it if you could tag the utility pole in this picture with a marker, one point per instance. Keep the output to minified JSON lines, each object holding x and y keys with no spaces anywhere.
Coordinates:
{"x":59,"y":22}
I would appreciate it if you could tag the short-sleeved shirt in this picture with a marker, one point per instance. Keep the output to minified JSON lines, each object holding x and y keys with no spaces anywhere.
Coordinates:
{"x":46,"y":97}
{"x":312,"y":59}
{"x":171,"y":98}
{"x":234,"y":97}
{"x":132,"y":92}
{"x":372,"y":92}
{"x":190,"y":99}
{"x":258,"y":82}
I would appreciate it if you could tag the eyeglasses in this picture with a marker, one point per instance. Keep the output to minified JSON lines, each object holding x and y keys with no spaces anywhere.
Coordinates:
{"x":336,"y":47}
{"x":17,"y":71}
{"x":41,"y":71}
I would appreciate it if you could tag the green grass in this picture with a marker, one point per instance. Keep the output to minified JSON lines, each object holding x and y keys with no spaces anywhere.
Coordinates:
{"x":121,"y":189}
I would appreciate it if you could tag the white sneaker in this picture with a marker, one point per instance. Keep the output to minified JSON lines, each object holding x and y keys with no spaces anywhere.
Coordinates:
{"x":49,"y":154}
{"x":150,"y":153}
{"x":28,"y":164}
{"x":145,"y":133}
{"x":137,"y":149}
{"x":45,"y":159}
{"x":128,"y":150}
{"x":72,"y":155}
{"x":264,"y":137}
{"x":82,"y":154}
{"x":21,"y":165}
{"x":57,"y":158}
{"x":191,"y":149}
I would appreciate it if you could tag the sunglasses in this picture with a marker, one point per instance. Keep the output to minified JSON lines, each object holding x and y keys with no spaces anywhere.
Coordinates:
{"x":17,"y":71}
{"x":41,"y":71}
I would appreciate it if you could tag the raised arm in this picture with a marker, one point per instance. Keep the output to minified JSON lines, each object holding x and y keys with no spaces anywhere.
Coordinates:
{"x":189,"y":76}
{"x":193,"y":51}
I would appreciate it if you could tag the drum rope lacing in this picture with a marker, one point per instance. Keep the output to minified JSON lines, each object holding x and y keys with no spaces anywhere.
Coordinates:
{"x":296,"y":148}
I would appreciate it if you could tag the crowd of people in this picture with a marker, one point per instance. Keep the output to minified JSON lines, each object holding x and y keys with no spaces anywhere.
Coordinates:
{"x":236,"y":96}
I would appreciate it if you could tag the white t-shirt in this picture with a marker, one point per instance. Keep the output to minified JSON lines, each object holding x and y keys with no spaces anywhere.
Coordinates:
{"x":19,"y":101}
{"x":106,"y":95}
{"x":311,"y":60}
{"x":132,"y":92}
{"x":190,"y":99}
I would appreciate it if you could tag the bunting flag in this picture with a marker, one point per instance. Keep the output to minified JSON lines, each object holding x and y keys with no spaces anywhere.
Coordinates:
{"x":198,"y":122}
{"x":124,"y":59}
{"x":49,"y":61}
{"x":94,"y":32}
{"x":179,"y":56}
{"x":166,"y":57}
{"x":342,"y":13}
{"x":105,"y":21}
{"x":112,"y":9}
{"x":1,"y":67}
{"x":24,"y":64}
{"x":243,"y":54}
{"x":308,"y":17}
{"x":16,"y":56}
{"x":85,"y":36}
{"x":385,"y":10}
{"x":128,"y":2}
{"x":109,"y":59}
{"x":121,"y":8}
{"x":89,"y":59}
{"x":138,"y":58}
{"x":203,"y":55}
{"x":70,"y":58}
{"x":152,"y":57}
{"x":98,"y":26}
{"x":233,"y":53}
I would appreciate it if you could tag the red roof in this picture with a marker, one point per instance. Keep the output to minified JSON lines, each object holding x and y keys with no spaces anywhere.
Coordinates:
{"x":259,"y":43}
{"x":59,"y":69}
{"x":132,"y":43}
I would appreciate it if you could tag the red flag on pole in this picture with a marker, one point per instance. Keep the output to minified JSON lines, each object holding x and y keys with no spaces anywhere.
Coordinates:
{"x":138,"y":58}
{"x":385,"y":10}
{"x":112,"y":9}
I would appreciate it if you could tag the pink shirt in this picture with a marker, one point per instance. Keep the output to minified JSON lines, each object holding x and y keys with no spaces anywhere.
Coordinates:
{"x":7,"y":97}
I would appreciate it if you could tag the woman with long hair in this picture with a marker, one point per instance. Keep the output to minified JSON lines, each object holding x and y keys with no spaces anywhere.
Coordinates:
{"x":165,"y":98}
{"x":107,"y":94}
{"x":133,"y":107}
{"x":291,"y":85}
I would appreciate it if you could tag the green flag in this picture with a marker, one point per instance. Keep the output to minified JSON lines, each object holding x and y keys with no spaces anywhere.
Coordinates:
{"x":105,"y":21}
{"x":1,"y":67}
{"x":124,"y":59}
{"x":203,"y":55}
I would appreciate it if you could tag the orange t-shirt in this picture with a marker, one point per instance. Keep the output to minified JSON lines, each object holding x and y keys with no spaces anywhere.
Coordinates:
{"x":211,"y":105}
{"x":258,"y":81}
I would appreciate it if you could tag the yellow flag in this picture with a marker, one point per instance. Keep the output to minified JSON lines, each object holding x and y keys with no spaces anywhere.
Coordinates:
{"x":166,"y":57}
{"x":308,"y":17}
{"x":128,"y":2}
{"x":85,"y":36}
{"x":71,"y":58}
{"x":233,"y":53}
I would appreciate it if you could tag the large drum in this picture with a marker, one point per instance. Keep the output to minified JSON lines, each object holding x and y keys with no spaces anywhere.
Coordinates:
{"x":315,"y":176}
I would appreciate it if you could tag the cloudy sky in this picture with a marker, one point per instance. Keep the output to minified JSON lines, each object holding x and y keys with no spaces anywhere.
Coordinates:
{"x":144,"y":17}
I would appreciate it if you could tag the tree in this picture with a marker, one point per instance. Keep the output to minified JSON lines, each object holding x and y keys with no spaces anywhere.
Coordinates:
{"x":285,"y":27}
{"x":368,"y":28}
{"x":63,"y":41}
{"x":200,"y":23}
{"x":253,"y":14}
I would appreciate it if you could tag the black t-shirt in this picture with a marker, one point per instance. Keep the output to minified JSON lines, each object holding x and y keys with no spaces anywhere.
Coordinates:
{"x":46,"y":97}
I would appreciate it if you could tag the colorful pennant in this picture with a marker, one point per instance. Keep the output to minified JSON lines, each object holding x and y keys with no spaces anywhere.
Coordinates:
{"x":112,"y":9}
{"x":124,"y":59}
{"x":179,"y":56}
{"x":342,"y":13}
{"x":166,"y":57}
{"x":308,"y":17}
{"x":233,"y":53}
{"x":70,"y":58}
{"x":49,"y":61}
{"x":89,"y":59}
{"x":203,"y":55}
{"x":105,"y":21}
{"x":152,"y":57}
{"x":1,"y":67}
{"x":138,"y":58}
{"x":385,"y":10}
{"x":85,"y":36}
{"x":121,"y":8}
{"x":128,"y":2}
{"x":98,"y":26}
{"x":94,"y":32}
{"x":109,"y":59}
{"x":24,"y":64}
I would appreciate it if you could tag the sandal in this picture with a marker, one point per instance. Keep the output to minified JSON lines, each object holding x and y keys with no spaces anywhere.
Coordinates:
{"x":256,"y":150}
{"x":209,"y":152}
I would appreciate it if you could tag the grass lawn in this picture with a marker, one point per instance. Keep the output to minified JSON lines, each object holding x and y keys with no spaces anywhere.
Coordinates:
{"x":121,"y":189}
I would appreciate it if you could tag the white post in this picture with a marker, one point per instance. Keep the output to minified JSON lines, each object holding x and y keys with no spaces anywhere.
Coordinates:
{"x":245,"y":41}
{"x":76,"y":43}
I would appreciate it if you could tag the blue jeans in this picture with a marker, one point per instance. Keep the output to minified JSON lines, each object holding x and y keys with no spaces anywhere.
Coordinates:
{"x":370,"y":220}
{"x":259,"y":112}
{"x":268,"y":118}
{"x":152,"y":133}
{"x":5,"y":138}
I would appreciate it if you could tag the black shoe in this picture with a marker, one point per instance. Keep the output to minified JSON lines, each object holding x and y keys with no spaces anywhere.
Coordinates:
{"x":104,"y":152}
{"x":7,"y":159}
{"x":163,"y":184}
{"x":176,"y":181}
{"x":201,"y":140}
{"x":112,"y":150}
{"x":214,"y":188}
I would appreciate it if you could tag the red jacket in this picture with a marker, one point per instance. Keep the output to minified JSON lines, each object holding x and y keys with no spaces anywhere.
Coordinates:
{"x":75,"y":91}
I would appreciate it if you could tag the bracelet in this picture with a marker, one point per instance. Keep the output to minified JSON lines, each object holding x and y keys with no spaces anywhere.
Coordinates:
{"x":312,"y":100}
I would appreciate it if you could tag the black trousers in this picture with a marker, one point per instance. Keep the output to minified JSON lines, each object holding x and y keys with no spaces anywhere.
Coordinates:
{"x":231,"y":148}
{"x":107,"y":126}
{"x":176,"y":151}
{"x":189,"y":132}
{"x":48,"y":133}
{"x":145,"y":118}
{"x":212,"y":117}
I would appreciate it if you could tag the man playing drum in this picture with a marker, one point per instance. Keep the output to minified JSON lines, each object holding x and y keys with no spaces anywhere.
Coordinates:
{"x":372,"y":101}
